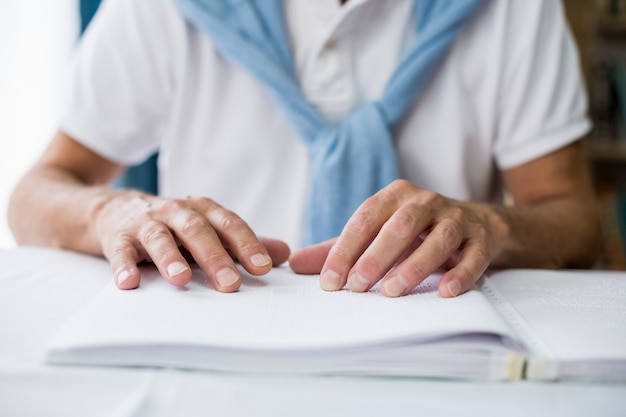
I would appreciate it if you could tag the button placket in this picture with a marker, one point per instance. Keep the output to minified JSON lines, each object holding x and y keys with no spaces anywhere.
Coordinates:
{"x":329,"y":71}
{"x":330,"y":86}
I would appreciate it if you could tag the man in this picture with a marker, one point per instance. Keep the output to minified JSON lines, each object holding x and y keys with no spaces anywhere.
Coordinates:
{"x":504,"y":105}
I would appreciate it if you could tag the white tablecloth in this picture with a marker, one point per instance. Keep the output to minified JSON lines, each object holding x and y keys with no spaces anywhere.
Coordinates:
{"x":36,"y":298}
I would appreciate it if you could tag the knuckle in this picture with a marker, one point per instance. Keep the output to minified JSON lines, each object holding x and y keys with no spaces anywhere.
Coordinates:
{"x":370,"y":203}
{"x":341,"y":255}
{"x":404,"y":224}
{"x":215,"y":257}
{"x":449,"y":234}
{"x":396,"y":191}
{"x":154,"y":233}
{"x":415,"y":271}
{"x":362,"y":222}
{"x":168,"y":205}
{"x":457,"y":214}
{"x":250,"y":248}
{"x":120,"y":247}
{"x":203,"y":200}
{"x":430,"y":198}
{"x":399,"y":185}
{"x":230,"y":223}
{"x":203,"y":203}
{"x":193,"y":224}
{"x":481,"y":233}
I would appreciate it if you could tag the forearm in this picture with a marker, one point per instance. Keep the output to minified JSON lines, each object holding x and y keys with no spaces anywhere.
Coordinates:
{"x":562,"y":232}
{"x":50,"y":207}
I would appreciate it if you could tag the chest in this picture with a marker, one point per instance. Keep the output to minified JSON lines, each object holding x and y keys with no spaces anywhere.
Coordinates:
{"x":343,"y":57}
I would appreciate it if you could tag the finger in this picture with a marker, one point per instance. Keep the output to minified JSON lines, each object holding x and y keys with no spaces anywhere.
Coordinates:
{"x":123,"y":257}
{"x":240,"y":240}
{"x":435,"y":250}
{"x":310,"y":260}
{"x":160,"y":245}
{"x":277,"y":249}
{"x":402,"y":230}
{"x":409,"y":250}
{"x":200,"y":239}
{"x":358,"y":233}
{"x":473,"y":262}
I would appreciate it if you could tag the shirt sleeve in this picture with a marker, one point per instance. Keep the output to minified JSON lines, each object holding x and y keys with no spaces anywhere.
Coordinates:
{"x":121,"y":79}
{"x":543,"y":102}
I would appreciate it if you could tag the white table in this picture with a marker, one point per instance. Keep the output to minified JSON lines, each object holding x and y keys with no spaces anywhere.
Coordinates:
{"x":36,"y":298}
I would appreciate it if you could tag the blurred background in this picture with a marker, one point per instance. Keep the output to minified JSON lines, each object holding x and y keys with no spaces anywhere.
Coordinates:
{"x":37,"y":38}
{"x":600,"y":30}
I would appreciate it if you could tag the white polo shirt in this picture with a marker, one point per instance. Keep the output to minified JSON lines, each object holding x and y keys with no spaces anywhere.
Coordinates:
{"x":143,"y":80}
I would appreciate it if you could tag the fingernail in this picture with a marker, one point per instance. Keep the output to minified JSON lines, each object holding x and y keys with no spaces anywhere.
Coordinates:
{"x":260,"y":260}
{"x":330,"y":280}
{"x":226,"y":277}
{"x":176,"y":268}
{"x":123,"y":276}
{"x":454,"y":287}
{"x":395,"y":286}
{"x":358,"y":283}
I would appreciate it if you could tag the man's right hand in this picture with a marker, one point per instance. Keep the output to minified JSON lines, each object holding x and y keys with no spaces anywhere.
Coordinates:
{"x":133,"y":227}
{"x":65,"y":201}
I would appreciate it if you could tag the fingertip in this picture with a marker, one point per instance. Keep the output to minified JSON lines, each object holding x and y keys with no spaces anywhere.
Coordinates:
{"x":270,"y":253}
{"x":257,"y":264}
{"x":127,"y":278}
{"x":261,"y":260}
{"x":331,"y":281}
{"x":451,"y":288}
{"x":178,"y":273}
{"x":462,"y":277}
{"x":123,"y":260}
{"x":395,"y":286}
{"x":277,"y":250}
{"x":454,"y":287}
{"x":309,"y":260}
{"x":229,"y":289}
{"x":227,"y":280}
{"x":358,"y":283}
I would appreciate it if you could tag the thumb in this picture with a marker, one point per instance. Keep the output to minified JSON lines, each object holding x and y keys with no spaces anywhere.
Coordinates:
{"x":276,"y":249}
{"x":310,"y":260}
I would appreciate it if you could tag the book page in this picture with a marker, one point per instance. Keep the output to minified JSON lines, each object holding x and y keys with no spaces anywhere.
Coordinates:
{"x":572,"y":315}
{"x":279,"y":311}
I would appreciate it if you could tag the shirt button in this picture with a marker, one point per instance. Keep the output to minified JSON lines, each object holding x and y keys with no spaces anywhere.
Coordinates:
{"x":331,"y":44}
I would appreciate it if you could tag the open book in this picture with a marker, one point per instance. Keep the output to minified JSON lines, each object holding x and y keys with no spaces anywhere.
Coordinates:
{"x":514,"y":324}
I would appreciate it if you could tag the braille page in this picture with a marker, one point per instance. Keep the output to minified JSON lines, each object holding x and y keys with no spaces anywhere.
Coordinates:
{"x":280,"y":312}
{"x":574,"y":319}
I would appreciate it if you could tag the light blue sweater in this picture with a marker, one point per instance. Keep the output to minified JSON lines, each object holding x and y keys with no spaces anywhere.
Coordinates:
{"x":356,"y":158}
